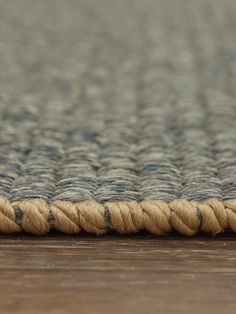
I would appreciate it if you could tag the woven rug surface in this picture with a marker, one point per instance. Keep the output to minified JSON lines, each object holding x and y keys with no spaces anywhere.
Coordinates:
{"x":118,"y":115}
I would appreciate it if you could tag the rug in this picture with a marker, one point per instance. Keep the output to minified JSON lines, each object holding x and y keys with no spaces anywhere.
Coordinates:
{"x":118,"y":116}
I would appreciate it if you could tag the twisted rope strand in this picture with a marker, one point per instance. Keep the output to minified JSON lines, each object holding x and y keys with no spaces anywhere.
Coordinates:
{"x":155,"y":216}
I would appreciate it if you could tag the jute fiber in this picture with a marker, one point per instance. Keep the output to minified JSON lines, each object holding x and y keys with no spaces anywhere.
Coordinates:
{"x":118,"y":115}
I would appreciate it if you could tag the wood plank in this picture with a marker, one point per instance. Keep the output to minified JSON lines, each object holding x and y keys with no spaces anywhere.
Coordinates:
{"x":117,"y":274}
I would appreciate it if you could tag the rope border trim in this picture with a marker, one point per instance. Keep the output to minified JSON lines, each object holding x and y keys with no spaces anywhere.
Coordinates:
{"x":155,"y":216}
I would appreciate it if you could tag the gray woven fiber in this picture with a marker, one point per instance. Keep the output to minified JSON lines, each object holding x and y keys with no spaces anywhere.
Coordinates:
{"x":125,"y":100}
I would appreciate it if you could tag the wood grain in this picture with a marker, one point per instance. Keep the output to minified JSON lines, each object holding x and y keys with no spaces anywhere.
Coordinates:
{"x":117,"y":274}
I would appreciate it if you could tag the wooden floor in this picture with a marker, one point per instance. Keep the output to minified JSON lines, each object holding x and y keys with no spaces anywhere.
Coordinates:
{"x":117,"y":274}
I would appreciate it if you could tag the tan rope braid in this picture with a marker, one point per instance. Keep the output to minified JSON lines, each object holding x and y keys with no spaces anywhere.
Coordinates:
{"x":157,"y":217}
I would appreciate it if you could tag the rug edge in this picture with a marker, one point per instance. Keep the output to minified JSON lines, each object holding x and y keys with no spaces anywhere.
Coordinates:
{"x":37,"y":216}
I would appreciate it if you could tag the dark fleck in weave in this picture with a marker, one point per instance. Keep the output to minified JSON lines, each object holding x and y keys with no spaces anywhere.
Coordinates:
{"x":117,"y":100}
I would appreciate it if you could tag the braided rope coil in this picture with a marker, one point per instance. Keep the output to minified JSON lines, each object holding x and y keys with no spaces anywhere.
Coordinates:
{"x":155,"y":216}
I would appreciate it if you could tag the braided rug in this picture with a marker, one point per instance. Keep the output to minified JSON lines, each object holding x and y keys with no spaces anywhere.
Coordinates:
{"x":118,"y":115}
